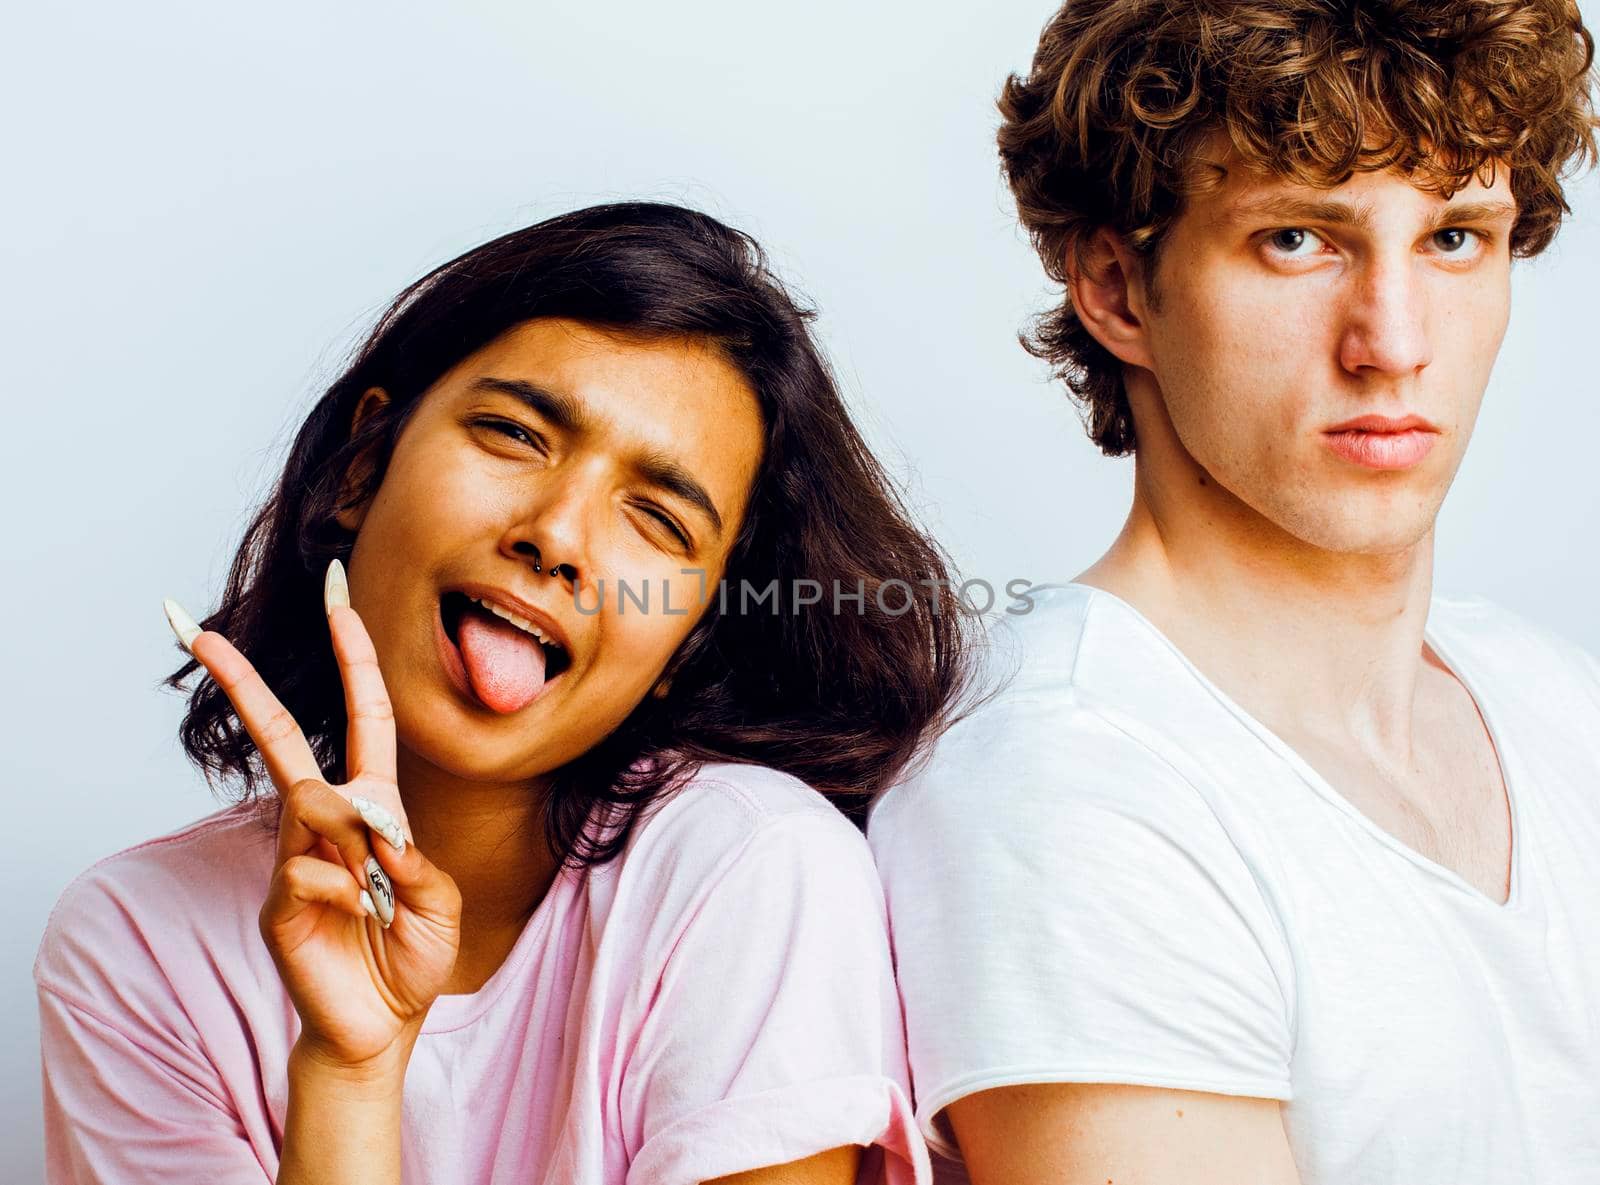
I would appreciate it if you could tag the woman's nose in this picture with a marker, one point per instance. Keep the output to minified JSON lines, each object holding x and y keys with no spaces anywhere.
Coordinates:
{"x":551,"y":533}
{"x":560,"y":569}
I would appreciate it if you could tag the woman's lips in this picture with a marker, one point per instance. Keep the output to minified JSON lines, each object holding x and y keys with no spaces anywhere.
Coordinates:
{"x":1382,"y":450}
{"x":450,"y":659}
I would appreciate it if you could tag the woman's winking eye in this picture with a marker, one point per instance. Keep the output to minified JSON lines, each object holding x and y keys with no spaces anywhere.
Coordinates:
{"x":661,"y":517}
{"x":514,"y":431}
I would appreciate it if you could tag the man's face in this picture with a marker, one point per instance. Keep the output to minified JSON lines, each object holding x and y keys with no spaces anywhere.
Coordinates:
{"x":1287,"y":311}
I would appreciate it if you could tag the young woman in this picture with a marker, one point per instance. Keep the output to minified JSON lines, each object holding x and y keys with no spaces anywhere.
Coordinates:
{"x":553,"y":763}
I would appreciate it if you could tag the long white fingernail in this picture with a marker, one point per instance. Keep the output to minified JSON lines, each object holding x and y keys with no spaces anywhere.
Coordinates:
{"x":380,"y":820}
{"x":366,"y":903}
{"x":182,"y":624}
{"x":335,"y":588}
{"x":382,"y":893}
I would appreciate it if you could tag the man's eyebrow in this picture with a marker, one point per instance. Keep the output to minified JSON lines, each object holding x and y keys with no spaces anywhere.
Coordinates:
{"x":563,"y":411}
{"x":1295,"y":210}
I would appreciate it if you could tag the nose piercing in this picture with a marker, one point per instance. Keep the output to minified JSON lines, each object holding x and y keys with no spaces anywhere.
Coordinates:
{"x":538,"y":564}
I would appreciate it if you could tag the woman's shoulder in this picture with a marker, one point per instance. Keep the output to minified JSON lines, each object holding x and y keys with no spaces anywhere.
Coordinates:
{"x":755,"y":984}
{"x":722,"y":806}
{"x":729,"y":823}
{"x":158,"y":904}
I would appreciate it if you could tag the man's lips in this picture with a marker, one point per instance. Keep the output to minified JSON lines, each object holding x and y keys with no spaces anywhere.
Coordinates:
{"x":1386,"y":424}
{"x":1383,"y":442}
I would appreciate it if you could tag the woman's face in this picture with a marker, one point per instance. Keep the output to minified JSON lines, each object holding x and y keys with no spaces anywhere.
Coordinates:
{"x":606,"y":461}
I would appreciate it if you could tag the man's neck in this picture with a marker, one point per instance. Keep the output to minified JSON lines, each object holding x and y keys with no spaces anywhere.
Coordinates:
{"x":1304,"y":639}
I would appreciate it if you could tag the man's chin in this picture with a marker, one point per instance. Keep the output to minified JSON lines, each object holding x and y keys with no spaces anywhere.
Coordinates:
{"x":1360,"y":521}
{"x":1394,"y":536}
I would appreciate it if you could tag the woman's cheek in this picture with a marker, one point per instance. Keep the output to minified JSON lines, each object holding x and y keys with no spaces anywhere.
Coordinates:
{"x":637,"y":647}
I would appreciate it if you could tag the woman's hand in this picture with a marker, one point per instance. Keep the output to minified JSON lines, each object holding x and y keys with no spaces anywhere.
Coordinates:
{"x":362,"y":987}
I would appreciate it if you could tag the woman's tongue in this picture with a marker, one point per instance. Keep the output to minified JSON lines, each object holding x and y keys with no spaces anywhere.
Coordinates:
{"x":504,"y":665}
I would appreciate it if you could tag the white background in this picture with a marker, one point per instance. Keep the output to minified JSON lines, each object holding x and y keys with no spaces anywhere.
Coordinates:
{"x":207,"y":204}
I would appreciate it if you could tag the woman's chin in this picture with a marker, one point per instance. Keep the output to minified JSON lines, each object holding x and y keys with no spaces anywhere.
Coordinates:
{"x":473,"y":755}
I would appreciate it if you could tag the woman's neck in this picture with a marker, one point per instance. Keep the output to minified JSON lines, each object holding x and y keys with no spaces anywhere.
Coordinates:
{"x":490,"y":838}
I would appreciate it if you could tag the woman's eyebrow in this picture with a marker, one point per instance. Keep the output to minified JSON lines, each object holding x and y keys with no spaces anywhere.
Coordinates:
{"x":559,"y":408}
{"x":661,"y":470}
{"x":563,"y":411}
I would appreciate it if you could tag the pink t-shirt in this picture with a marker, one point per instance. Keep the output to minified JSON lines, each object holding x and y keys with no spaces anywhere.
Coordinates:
{"x":718,"y":998}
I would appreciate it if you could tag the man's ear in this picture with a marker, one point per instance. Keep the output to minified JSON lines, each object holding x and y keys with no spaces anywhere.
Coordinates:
{"x":1107,"y":290}
{"x":373,"y":400}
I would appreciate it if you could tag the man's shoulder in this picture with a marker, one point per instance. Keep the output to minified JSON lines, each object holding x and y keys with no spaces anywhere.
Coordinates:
{"x":1055,"y":646}
{"x":1036,"y":647}
{"x":1074,"y":695}
{"x":1515,"y":652}
{"x":1078,"y":644}
{"x":1077,"y":660}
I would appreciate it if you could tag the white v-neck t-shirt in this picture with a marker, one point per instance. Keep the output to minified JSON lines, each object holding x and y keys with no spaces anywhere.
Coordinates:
{"x":1113,"y":873}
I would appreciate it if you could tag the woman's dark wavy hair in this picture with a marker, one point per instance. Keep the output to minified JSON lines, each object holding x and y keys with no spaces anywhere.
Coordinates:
{"x":1107,"y":127}
{"x":840,"y":700}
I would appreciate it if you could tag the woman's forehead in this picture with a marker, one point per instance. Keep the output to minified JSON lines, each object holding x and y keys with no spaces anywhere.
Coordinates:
{"x":674,"y":409}
{"x":605,"y":369}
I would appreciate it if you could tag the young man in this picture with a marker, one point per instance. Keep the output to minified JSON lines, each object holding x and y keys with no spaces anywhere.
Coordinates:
{"x":1267,"y":865}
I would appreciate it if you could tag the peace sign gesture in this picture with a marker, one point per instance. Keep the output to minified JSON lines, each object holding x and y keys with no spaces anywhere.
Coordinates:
{"x":364,"y":934}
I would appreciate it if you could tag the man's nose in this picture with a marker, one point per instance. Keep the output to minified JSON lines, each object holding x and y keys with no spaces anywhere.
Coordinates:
{"x":1386,"y":319}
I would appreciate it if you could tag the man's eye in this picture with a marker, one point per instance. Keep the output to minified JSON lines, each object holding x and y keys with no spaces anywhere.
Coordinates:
{"x":1466,"y":237}
{"x":1289,"y":239}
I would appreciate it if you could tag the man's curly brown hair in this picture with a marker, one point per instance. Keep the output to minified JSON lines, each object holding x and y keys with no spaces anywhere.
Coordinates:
{"x":1106,"y":127}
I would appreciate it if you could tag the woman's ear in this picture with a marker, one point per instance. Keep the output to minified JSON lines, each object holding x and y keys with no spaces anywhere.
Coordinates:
{"x":662,"y":687}
{"x":373,"y":400}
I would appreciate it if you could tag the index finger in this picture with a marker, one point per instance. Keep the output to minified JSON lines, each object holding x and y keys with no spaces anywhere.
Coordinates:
{"x":283,"y":747}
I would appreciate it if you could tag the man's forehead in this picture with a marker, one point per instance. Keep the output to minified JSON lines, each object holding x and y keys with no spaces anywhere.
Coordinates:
{"x":1245,"y":195}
